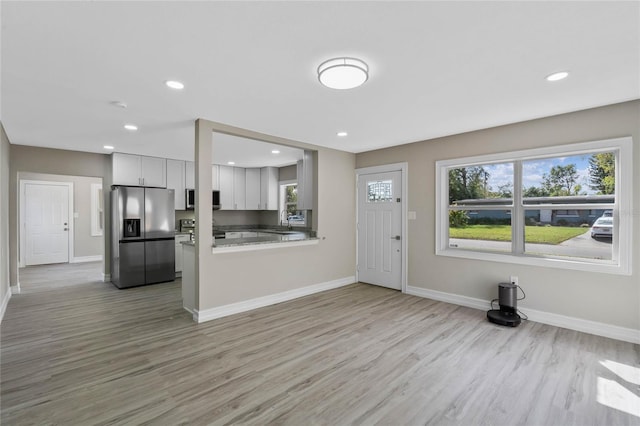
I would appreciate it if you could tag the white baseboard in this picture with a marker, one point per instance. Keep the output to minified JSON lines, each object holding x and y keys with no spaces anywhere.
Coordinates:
{"x":193,"y":312}
{"x":272,"y":299}
{"x":82,"y":259}
{"x":106,"y":278}
{"x":5,"y":302}
{"x":586,"y":326}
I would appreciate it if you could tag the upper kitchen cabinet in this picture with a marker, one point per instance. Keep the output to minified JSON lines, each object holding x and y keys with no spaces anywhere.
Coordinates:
{"x":176,"y":180}
{"x":233,"y":190}
{"x":252,"y":186}
{"x":190,"y":175}
{"x":268,"y":188}
{"x":215,"y":177}
{"x":239,"y":188}
{"x":305,"y":181}
{"x":226,"y":187}
{"x":139,"y":170}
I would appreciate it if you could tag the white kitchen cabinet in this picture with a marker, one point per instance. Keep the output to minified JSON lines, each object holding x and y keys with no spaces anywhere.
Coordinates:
{"x":154,"y":171}
{"x":253,"y":189}
{"x":176,"y":181}
{"x":189,"y":175}
{"x":268,"y":188}
{"x":215,"y":177}
{"x":138,"y":170}
{"x":226,"y":188}
{"x":305,"y":181}
{"x":179,"y":256}
{"x":239,"y":188}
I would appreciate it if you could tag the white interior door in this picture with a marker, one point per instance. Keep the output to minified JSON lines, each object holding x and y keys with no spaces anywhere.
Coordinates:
{"x":46,"y":223}
{"x":380,"y":229}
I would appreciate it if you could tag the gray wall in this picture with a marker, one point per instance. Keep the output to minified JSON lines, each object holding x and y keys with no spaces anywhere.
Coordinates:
{"x":58,"y":162}
{"x":84,"y":244}
{"x":604,"y":298}
{"x":288,"y":173}
{"x":4,"y":217}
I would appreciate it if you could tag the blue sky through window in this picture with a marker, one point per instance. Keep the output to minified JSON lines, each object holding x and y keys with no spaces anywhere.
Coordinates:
{"x":533,"y":170}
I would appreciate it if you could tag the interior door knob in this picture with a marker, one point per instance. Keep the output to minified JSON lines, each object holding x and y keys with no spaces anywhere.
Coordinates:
{"x":397,"y":237}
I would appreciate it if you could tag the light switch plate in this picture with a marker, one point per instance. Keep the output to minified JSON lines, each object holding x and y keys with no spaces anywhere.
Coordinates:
{"x":411,"y":215}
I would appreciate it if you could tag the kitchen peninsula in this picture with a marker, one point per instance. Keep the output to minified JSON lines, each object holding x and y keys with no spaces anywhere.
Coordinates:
{"x":236,"y":239}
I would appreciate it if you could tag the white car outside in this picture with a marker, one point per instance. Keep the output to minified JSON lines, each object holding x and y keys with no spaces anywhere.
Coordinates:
{"x":602,"y":227}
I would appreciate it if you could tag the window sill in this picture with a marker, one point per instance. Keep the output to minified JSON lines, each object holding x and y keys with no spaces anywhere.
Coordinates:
{"x":604,"y":267}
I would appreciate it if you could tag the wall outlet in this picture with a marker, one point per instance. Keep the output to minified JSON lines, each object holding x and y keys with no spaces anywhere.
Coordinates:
{"x":513,"y":279}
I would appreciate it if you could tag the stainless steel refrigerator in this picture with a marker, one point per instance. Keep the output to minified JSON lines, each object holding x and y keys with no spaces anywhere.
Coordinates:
{"x":142,"y":236}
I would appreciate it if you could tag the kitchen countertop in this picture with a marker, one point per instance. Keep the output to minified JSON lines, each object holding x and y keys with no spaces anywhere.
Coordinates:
{"x":262,"y":236}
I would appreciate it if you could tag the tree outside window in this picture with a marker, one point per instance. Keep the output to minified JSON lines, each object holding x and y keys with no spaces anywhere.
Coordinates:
{"x":289,"y":213}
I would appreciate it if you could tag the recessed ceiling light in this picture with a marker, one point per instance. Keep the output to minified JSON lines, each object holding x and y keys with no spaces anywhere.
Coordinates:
{"x":342,"y":134}
{"x":174,"y":84}
{"x":231,"y":163}
{"x":275,"y":151}
{"x":108,"y":147}
{"x":131,"y":127}
{"x":343,"y":73}
{"x":557,"y":76}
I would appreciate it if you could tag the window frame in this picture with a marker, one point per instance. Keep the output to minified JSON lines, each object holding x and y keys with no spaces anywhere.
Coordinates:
{"x":97,"y":210}
{"x":622,"y":209}
{"x":282,"y":203}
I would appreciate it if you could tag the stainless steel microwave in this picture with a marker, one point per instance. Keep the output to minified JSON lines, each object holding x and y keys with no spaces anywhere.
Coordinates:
{"x":190,"y":195}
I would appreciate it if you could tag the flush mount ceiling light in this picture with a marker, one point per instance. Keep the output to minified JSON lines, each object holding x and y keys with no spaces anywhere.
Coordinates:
{"x":131,"y":127}
{"x":174,"y":84}
{"x":343,"y":73}
{"x":109,"y":147}
{"x":342,"y":134}
{"x":275,"y":151}
{"x":231,"y":163}
{"x":557,"y":76}
{"x":119,"y":104}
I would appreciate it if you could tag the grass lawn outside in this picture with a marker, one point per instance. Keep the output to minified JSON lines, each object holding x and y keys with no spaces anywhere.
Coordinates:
{"x":533,"y":234}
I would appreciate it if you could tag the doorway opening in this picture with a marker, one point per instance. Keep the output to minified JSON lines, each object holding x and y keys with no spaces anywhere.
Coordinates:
{"x":60,"y":231}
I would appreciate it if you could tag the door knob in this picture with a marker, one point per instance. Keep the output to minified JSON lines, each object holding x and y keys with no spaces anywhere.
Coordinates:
{"x":397,"y":237}
{"x":66,"y":229}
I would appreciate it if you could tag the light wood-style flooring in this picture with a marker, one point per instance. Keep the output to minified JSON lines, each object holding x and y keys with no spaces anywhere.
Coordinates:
{"x":363,"y":355}
{"x":51,"y":277}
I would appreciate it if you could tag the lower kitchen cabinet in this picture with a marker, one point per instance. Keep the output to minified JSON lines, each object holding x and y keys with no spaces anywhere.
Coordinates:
{"x":179,"y":261}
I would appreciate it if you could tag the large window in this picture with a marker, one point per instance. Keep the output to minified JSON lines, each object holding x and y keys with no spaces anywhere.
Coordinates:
{"x":566,"y":206}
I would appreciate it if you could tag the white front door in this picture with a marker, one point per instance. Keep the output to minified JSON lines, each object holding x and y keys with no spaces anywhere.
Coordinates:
{"x":380,"y":229}
{"x":46,"y":223}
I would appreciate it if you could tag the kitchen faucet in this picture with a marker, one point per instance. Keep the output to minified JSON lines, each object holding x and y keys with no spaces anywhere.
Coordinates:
{"x":282,"y":221}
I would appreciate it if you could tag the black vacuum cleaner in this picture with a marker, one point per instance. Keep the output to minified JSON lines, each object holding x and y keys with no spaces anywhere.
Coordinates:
{"x":508,"y":301}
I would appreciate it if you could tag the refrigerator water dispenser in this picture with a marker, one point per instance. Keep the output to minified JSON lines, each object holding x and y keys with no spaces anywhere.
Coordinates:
{"x":131,"y":228}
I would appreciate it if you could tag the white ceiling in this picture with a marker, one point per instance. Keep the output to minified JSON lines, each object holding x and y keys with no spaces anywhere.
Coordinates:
{"x":436,"y":68}
{"x":245,"y":152}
